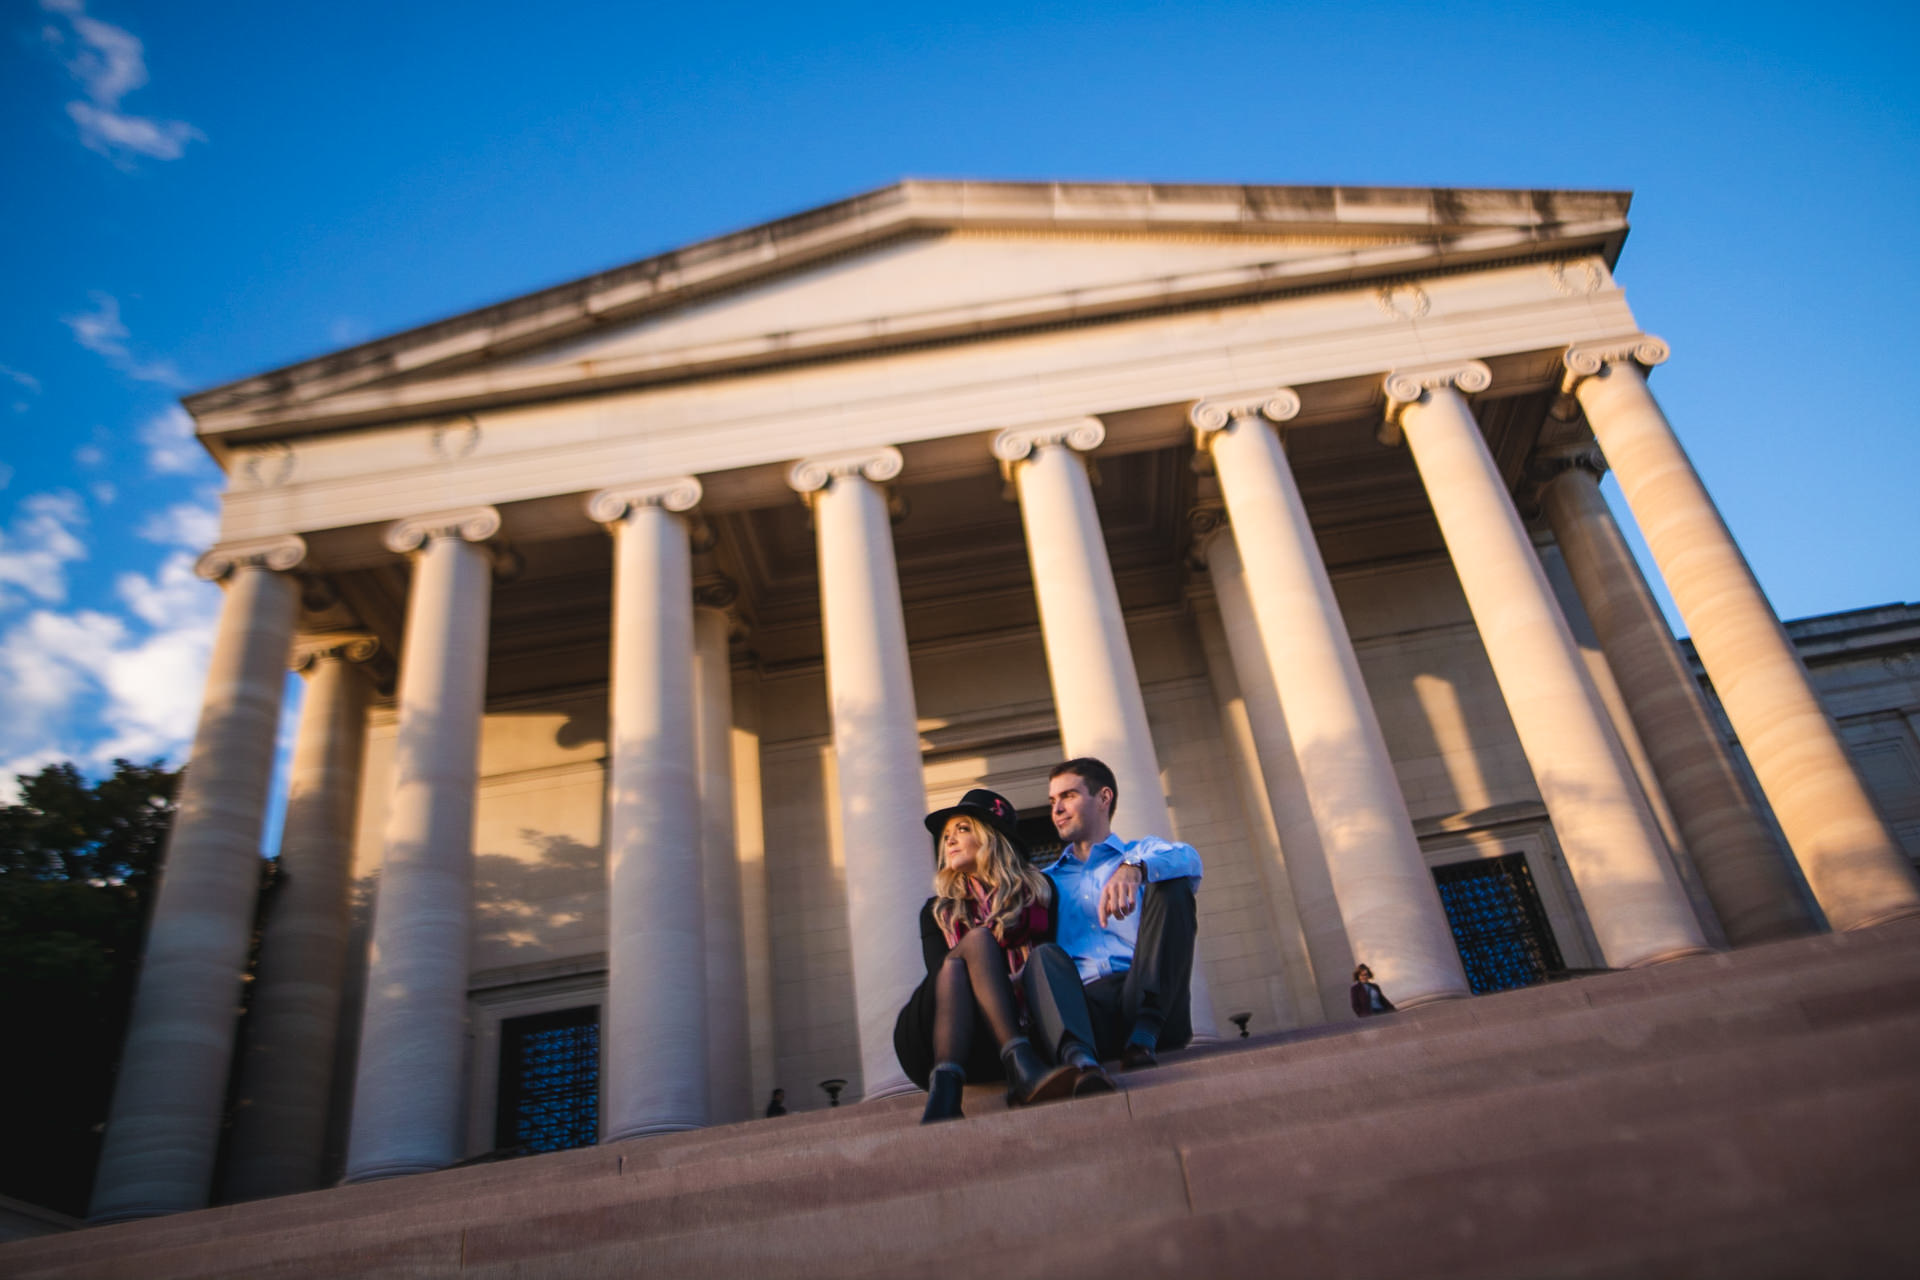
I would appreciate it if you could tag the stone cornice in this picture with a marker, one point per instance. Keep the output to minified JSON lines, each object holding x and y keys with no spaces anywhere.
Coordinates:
{"x":1586,"y":359}
{"x":1410,"y":386}
{"x":677,"y":493}
{"x":810,"y":475}
{"x":279,"y":553}
{"x":472,"y":524}
{"x":1215,"y":414}
{"x":427,"y":371}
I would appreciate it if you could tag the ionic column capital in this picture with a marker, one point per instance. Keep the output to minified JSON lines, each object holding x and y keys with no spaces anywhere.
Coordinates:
{"x":1408,"y":387}
{"x":1219,"y":413}
{"x":675,"y":493}
{"x":811,"y":475}
{"x":1082,"y":435}
{"x":1207,"y":521}
{"x":280,"y":554}
{"x":1545,"y":468}
{"x":1586,"y":359}
{"x":470,"y":524}
{"x":347,"y":646}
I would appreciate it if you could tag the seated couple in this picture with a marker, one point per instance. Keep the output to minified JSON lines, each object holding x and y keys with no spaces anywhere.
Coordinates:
{"x":1036,"y":977}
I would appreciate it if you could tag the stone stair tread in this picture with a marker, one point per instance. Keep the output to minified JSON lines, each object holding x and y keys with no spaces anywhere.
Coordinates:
{"x":1608,"y":1064}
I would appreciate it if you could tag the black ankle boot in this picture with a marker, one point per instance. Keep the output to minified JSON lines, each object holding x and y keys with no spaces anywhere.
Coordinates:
{"x":1090,"y":1077}
{"x":1030,"y":1080}
{"x":944,"y":1091}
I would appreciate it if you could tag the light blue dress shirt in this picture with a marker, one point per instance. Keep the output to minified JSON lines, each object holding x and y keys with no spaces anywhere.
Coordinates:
{"x":1096,"y":950}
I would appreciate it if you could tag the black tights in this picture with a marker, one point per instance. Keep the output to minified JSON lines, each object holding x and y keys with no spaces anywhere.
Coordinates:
{"x":973,"y":977}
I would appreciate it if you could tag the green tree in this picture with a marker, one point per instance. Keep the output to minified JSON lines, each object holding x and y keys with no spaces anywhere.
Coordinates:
{"x":78,"y":864}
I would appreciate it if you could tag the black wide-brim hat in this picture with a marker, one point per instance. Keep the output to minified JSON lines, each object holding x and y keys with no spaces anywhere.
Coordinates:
{"x":990,"y":807}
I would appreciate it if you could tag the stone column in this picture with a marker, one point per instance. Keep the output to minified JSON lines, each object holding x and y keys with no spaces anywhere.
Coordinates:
{"x":164,"y":1125}
{"x":1856,"y":870}
{"x":278,"y":1145}
{"x":876,"y":738}
{"x":408,"y":1110}
{"x":1633,"y":897}
{"x":729,"y":1061}
{"x":654,"y":1028}
{"x":1096,"y":689}
{"x":1745,"y":876}
{"x":1388,"y":907}
{"x":1313,"y":941}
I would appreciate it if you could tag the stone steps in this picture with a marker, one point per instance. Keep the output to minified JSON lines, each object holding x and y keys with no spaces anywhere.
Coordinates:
{"x":1605,"y":1122}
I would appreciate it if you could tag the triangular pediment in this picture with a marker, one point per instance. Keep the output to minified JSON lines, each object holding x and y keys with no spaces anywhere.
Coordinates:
{"x":910,"y":264}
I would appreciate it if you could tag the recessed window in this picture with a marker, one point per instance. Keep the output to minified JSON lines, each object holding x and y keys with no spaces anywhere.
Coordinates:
{"x":549,"y":1081}
{"x":1498,"y":923}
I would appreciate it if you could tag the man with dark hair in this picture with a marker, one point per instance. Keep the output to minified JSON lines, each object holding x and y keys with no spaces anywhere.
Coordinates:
{"x":1115,"y":983}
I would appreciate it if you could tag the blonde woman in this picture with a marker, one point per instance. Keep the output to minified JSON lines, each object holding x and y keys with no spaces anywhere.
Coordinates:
{"x":990,"y":908}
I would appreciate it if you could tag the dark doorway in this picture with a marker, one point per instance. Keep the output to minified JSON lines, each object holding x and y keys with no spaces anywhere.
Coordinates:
{"x":1498,"y":923}
{"x":549,"y":1081}
{"x":1037,"y":833}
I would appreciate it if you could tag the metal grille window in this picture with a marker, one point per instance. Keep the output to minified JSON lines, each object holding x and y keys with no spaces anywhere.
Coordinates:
{"x":1498,"y":923}
{"x":1037,"y":833}
{"x":549,"y":1081}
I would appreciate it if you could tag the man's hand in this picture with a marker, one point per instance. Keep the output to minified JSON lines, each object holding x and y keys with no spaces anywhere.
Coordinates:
{"x":1122,"y":893}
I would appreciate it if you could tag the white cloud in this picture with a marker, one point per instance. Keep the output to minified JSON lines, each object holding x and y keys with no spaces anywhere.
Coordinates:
{"x":36,"y":549}
{"x":110,"y":62}
{"x":101,"y":332}
{"x":89,"y":686}
{"x":103,"y":493}
{"x":6,"y":475}
{"x":192,"y":525}
{"x":172,"y":447}
{"x":90,"y":455}
{"x":18,"y":378}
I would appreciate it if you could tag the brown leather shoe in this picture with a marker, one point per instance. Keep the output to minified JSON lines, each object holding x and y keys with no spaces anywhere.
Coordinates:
{"x":1092,"y":1081}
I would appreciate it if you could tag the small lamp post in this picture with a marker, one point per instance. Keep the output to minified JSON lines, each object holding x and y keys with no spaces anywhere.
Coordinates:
{"x":833,"y":1088}
{"x":1240,"y":1020}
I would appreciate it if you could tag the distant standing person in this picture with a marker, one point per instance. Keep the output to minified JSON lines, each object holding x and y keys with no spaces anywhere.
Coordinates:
{"x":1368,"y":999}
{"x":777,"y":1104}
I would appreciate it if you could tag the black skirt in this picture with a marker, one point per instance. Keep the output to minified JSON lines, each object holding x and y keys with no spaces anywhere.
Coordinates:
{"x":913,"y":1040}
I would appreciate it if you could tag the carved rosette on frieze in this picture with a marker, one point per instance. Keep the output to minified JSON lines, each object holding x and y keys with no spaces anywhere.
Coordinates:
{"x":1586,"y":359}
{"x":674,"y":493}
{"x":1215,"y":414}
{"x":1408,"y":387}
{"x":279,"y":554}
{"x":810,"y":476}
{"x":343,"y":646}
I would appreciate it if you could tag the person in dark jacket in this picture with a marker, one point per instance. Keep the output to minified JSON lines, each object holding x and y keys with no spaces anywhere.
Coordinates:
{"x":990,"y":907}
{"x":1368,"y":999}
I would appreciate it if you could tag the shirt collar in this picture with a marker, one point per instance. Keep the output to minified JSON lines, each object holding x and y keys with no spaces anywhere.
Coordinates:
{"x":1112,"y":843}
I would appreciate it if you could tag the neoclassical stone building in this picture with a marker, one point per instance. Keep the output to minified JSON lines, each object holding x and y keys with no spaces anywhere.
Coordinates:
{"x":642,"y":618}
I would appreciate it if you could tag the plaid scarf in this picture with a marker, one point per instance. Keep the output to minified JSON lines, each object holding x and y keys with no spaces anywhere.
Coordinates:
{"x":977,"y":909}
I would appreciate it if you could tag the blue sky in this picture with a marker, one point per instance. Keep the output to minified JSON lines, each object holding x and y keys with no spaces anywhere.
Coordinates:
{"x":191,"y":192}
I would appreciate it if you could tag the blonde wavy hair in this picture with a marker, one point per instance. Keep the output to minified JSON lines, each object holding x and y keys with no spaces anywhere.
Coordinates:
{"x":1013,"y":883}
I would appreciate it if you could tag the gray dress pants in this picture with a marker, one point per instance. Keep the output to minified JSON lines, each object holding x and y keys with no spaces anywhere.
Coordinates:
{"x":1101,"y":1014}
